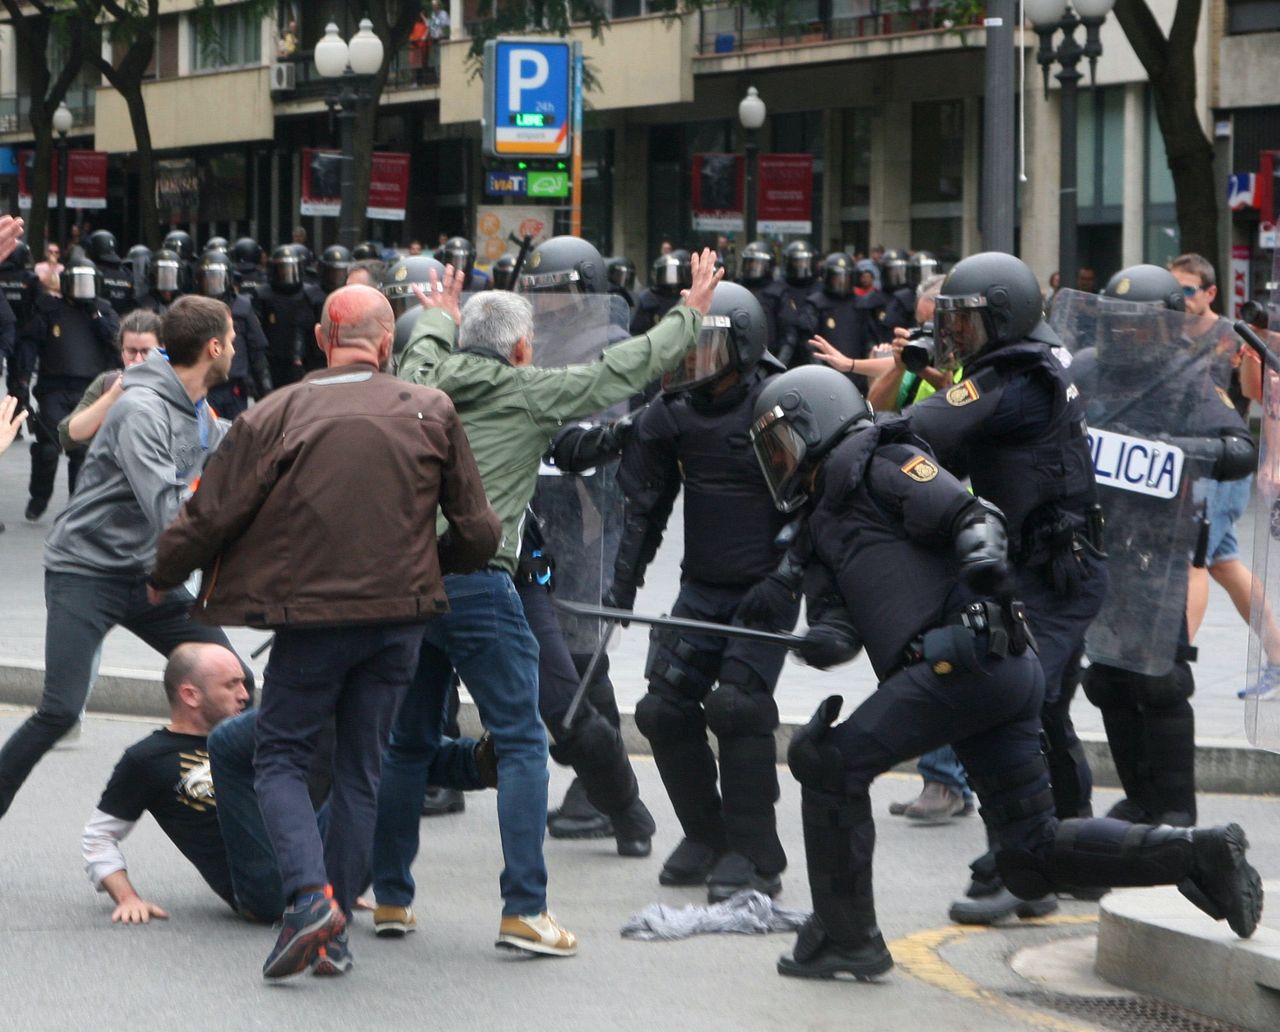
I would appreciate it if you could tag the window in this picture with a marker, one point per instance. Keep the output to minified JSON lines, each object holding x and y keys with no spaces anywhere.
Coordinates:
{"x":855,"y":165}
{"x":937,"y":152}
{"x":228,"y":37}
{"x":1252,"y":16}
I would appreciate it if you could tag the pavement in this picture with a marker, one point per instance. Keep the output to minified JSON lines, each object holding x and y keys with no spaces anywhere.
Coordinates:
{"x":67,"y":966}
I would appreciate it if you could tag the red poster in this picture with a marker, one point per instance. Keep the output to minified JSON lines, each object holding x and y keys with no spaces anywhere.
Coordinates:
{"x":322,"y":184}
{"x":718,"y":192}
{"x":86,"y":179}
{"x":785,"y":193}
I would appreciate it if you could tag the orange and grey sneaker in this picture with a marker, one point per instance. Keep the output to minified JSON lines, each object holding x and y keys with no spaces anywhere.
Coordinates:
{"x":310,"y":923}
{"x":394,"y":922}
{"x":537,"y":933}
{"x":334,"y":957}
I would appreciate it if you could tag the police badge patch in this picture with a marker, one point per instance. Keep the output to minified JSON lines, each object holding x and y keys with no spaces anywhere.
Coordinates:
{"x":920,"y":469}
{"x":401,"y":273}
{"x":962,"y":393}
{"x":831,"y":322}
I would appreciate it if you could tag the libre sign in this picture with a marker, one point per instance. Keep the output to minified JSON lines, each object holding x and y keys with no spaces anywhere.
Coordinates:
{"x":528,"y":98}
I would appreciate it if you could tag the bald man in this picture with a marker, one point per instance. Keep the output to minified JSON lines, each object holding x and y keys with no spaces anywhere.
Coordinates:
{"x":317,"y":519}
{"x":167,"y":775}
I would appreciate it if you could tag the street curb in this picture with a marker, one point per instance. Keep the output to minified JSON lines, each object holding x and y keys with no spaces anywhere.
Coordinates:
{"x":1222,"y":765}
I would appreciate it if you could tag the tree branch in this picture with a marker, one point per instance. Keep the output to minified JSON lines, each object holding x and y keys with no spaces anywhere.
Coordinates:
{"x":1144,"y":35}
{"x":1185,"y":28}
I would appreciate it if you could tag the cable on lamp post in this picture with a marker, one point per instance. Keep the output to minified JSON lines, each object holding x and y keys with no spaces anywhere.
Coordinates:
{"x":751,"y":113}
{"x":351,"y":66}
{"x":62,"y":122}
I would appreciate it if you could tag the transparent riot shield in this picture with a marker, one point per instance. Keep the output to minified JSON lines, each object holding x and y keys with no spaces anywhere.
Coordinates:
{"x":579,"y":513}
{"x":1262,"y":690}
{"x":1154,"y":415}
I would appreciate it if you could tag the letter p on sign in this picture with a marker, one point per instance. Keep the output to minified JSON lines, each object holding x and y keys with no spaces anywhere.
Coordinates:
{"x":529,"y":71}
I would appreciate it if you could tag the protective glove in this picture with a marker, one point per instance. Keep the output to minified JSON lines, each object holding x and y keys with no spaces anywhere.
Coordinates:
{"x":829,"y":644}
{"x":770,"y":604}
{"x":621,"y":595}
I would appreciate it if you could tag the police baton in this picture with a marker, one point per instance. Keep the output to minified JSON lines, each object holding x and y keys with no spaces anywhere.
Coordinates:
{"x":587,"y":676}
{"x":263,"y":647}
{"x":526,"y":245}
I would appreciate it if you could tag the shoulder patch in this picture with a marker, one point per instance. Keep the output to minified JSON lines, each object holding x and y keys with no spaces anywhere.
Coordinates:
{"x":920,"y":469}
{"x":831,"y":322}
{"x":962,"y":393}
{"x":1224,"y":397}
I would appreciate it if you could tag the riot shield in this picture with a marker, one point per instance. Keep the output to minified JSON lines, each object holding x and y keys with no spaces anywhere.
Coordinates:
{"x":1262,"y":690}
{"x":1154,"y":412}
{"x":579,"y":514}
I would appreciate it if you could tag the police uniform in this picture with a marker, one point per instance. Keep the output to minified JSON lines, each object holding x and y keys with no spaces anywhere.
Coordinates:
{"x":67,"y":344}
{"x":853,"y":325}
{"x":791,"y":321}
{"x":900,"y":309}
{"x":651,"y":306}
{"x":117,"y":285}
{"x":696,"y":682}
{"x":289,"y":321}
{"x":250,"y":371}
{"x":19,"y":286}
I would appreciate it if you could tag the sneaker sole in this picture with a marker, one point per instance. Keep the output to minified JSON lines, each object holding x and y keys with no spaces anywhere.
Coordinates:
{"x":1025,"y":910}
{"x":862,"y":972}
{"x":579,"y":831}
{"x":930,"y":820}
{"x":327,"y":967}
{"x":514,"y":942}
{"x":393,"y":930}
{"x":305,"y":946}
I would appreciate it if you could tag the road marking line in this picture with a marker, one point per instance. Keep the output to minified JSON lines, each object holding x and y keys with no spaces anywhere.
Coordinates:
{"x":919,"y":954}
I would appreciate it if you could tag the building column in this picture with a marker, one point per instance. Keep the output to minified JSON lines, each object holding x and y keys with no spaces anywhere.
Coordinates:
{"x":1039,"y":247}
{"x":891,"y":175}
{"x":1133,"y":226}
{"x":631,"y":193}
{"x":832,"y":179}
{"x":971,"y":190}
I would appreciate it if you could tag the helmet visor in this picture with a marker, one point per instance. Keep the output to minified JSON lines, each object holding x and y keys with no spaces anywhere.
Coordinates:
{"x":894,"y":274}
{"x":780,"y":452}
{"x":333,"y":275}
{"x":838,"y":281}
{"x":961,"y":327}
{"x":286,"y":272}
{"x":710,"y":358}
{"x":82,"y":284}
{"x":799,"y":267}
{"x":666,"y":275}
{"x":164,"y":275}
{"x":565,"y":281}
{"x":921,"y":269}
{"x":213,"y":281}
{"x":754,"y":267}
{"x":622,"y":276}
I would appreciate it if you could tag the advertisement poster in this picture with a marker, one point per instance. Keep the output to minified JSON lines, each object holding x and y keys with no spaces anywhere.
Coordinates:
{"x":495,"y":224}
{"x":86,"y":179}
{"x":1239,"y":278}
{"x":785,"y":194}
{"x":322,"y":184}
{"x":717,"y":192}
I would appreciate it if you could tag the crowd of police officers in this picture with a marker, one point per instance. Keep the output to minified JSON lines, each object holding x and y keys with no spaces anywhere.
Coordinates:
{"x":971,"y":604}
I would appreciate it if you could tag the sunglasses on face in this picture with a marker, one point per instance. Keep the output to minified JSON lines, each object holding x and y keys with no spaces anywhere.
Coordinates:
{"x":1190,"y":291}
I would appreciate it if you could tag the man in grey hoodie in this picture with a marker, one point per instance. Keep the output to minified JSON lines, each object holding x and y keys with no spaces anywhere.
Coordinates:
{"x":144,"y":461}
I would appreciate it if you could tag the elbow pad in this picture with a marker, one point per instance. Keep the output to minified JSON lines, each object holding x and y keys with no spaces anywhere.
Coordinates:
{"x":979,"y":534}
{"x":1238,"y":458}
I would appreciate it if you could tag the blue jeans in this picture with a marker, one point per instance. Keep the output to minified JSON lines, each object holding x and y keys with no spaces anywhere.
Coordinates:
{"x":944,"y":766}
{"x":486,"y":638}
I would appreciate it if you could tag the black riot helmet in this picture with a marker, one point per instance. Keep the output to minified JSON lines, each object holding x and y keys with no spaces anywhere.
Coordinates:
{"x":838,"y":275}
{"x":399,"y":280}
{"x":1147,"y":285}
{"x":20,"y":256}
{"x":502,"y":272}
{"x":987,"y":300}
{"x":734,"y":336}
{"x":755,"y":265}
{"x":895,"y":269}
{"x":168,"y":273}
{"x":920,"y":266}
{"x":101,"y":247}
{"x":363,"y":252}
{"x":564,"y":264}
{"x":405,"y":322}
{"x":686,"y":266}
{"x":460,"y":253}
{"x":799,"y":417}
{"x":665,"y":273}
{"x":139,"y":256}
{"x":335,"y":263}
{"x":246,"y":253}
{"x":180,"y":242}
{"x":287,"y":269}
{"x":621,"y":271}
{"x":799,"y":263}
{"x":216,"y":243}
{"x":80,"y":280}
{"x":214,"y":277}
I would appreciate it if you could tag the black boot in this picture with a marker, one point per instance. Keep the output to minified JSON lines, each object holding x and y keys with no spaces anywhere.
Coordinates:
{"x":733,"y":873}
{"x":604,"y":787}
{"x":1222,"y":882}
{"x":633,"y":830}
{"x":817,"y":955}
{"x":749,"y":790}
{"x":576,"y":818}
{"x":689,"y":864}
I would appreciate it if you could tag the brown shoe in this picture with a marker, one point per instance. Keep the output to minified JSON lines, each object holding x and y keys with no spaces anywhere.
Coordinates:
{"x":937,"y":804}
{"x":899,"y":809}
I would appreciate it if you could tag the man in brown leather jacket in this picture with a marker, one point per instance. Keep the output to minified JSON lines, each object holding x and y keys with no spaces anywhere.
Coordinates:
{"x":317,"y":517}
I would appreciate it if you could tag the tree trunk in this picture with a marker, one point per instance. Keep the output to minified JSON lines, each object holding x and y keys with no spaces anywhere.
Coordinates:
{"x":148,"y":214}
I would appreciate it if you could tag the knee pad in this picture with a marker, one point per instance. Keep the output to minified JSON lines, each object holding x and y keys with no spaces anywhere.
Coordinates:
{"x":1166,"y":691}
{"x":1108,"y":687}
{"x":662,"y":719}
{"x":591,"y":736}
{"x":1015,"y":794}
{"x":814,"y":760}
{"x":734,"y":711}
{"x":680,"y":667}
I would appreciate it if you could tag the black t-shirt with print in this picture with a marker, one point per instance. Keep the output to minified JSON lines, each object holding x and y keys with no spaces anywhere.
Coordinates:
{"x":168,"y":774}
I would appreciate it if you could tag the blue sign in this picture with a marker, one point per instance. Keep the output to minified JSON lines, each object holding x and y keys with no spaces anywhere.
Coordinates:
{"x":8,"y":161}
{"x":506,"y":184}
{"x":528,"y":86}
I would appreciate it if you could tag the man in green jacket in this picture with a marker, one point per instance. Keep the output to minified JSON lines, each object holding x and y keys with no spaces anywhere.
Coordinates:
{"x":510,"y":411}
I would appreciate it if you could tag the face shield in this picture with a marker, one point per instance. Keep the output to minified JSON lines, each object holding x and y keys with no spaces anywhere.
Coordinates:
{"x":214,"y":281}
{"x":921,"y":269}
{"x":666,"y":275}
{"x":894,"y":274}
{"x":962,"y":328}
{"x":80,"y":283}
{"x":754,"y":267}
{"x":165,"y":275}
{"x":837,"y":280}
{"x":781,"y":453}
{"x":458,"y":257}
{"x":623,"y":276}
{"x":798,"y":268}
{"x":333,"y":275}
{"x":711,"y":357}
{"x":286,"y":271}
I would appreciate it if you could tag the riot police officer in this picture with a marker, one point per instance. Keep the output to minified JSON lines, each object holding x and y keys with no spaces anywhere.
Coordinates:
{"x":246,"y":261}
{"x":180,"y":242}
{"x":502,"y":272}
{"x":901,"y":559}
{"x":1016,"y":425}
{"x":168,"y":279}
{"x":335,"y":263}
{"x":783,"y":300}
{"x":402,"y":276}
{"x":694,"y":437}
{"x":250,"y":374}
{"x":289,"y":309}
{"x":216,"y":243}
{"x":622,"y":278}
{"x":366,"y":251}
{"x":848,"y":311}
{"x":899,"y":291}
{"x":69,"y":339}
{"x":19,"y":285}
{"x":668,"y":275}
{"x":461,"y":254}
{"x":117,"y":275}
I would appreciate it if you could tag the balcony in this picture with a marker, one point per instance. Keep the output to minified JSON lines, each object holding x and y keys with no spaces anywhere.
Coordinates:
{"x":14,"y":111}
{"x":405,"y":74}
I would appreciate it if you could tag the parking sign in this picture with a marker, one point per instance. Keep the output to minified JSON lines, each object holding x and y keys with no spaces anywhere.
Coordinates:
{"x":528,"y":98}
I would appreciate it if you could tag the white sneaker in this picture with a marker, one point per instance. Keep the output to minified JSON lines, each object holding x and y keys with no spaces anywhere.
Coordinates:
{"x":537,"y":933}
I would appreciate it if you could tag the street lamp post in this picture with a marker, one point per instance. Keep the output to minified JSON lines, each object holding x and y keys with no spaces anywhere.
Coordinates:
{"x":751,"y":113}
{"x":1048,"y":17}
{"x":352,"y":66}
{"x":62,"y":125}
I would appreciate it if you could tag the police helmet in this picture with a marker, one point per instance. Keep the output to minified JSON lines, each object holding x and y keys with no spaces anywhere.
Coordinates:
{"x":246,"y":252}
{"x":502,"y":272}
{"x":180,"y":242}
{"x":1147,"y":285}
{"x":621,"y":271}
{"x":363,"y":252}
{"x":216,"y":243}
{"x":686,"y":266}
{"x":755,"y":266}
{"x":664,"y":275}
{"x":838,"y":274}
{"x":920,"y":266}
{"x":401,"y":277}
{"x":213,"y":275}
{"x":287,"y":269}
{"x":20,"y":256}
{"x":564,"y":264}
{"x":987,"y":300}
{"x":335,"y":263}
{"x":101,"y":246}
{"x":139,"y":256}
{"x":894,"y":269}
{"x":168,"y":272}
{"x":405,"y":322}
{"x":80,"y":280}
{"x":799,"y":263}
{"x":734,"y":337}
{"x":460,"y":253}
{"x":800,"y":416}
